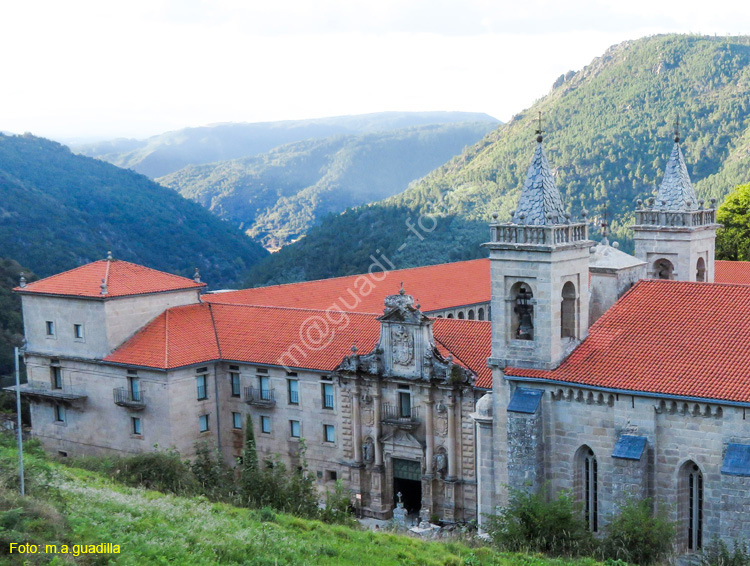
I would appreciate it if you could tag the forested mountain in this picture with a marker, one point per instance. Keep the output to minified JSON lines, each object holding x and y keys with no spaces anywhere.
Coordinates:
{"x":277,"y":196}
{"x":59,"y":210}
{"x":11,"y":324}
{"x":163,"y":154}
{"x":608,"y":134}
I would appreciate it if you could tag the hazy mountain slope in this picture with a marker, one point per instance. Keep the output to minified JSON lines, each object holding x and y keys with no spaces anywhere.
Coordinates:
{"x":608,"y":136}
{"x":59,"y":210}
{"x":276,"y":197}
{"x":168,"y":152}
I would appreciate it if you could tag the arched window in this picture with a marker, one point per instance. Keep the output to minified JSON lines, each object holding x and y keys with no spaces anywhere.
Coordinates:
{"x":568,"y":318}
{"x":471,"y":314}
{"x":522,"y":322}
{"x":450,"y":315}
{"x":690,"y":490}
{"x":461,"y":315}
{"x":587,"y":485}
{"x":440,"y":316}
{"x":480,"y":315}
{"x":700,"y":274}
{"x":663,"y":269}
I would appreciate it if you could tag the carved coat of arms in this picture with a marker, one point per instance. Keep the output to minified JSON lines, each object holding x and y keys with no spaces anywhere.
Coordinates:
{"x":402,"y":343}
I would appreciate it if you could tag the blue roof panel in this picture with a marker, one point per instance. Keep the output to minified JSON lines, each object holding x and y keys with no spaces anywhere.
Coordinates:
{"x":629,"y":447}
{"x":525,"y":401}
{"x":737,"y":460}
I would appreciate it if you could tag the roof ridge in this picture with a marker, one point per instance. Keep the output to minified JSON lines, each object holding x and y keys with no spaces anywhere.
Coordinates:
{"x":355,"y":275}
{"x":216,"y":332}
{"x":285,"y":308}
{"x":166,"y":338}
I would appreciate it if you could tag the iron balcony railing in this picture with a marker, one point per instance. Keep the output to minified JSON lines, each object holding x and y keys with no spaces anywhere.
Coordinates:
{"x":262,"y":397}
{"x":394,"y":414}
{"x":124,"y":397}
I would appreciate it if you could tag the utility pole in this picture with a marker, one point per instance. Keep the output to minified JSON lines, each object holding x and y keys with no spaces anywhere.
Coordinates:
{"x":18,"y":415}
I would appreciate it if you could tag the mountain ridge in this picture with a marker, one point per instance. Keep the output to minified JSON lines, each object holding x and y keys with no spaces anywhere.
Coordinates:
{"x":608,"y":130}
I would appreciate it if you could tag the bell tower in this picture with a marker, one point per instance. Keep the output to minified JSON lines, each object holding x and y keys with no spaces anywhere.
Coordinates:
{"x":539,"y":271}
{"x":674,"y":233}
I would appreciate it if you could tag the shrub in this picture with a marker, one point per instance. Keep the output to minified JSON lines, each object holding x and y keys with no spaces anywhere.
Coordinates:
{"x":637,"y":535}
{"x":531,"y":523}
{"x":215,"y":479}
{"x":337,"y":507}
{"x":161,"y":471}
{"x":717,"y":553}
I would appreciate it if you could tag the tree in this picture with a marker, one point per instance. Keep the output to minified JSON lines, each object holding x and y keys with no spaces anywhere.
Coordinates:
{"x":250,"y":452}
{"x":733,"y":240}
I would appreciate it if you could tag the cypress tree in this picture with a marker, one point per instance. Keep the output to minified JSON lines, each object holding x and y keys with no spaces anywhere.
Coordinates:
{"x":250,"y":453}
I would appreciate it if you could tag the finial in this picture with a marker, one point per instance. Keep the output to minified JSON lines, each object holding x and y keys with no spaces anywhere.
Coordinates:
{"x":197,"y":276}
{"x":539,"y":130}
{"x":22,"y":281}
{"x":605,"y":227}
{"x":354,"y":349}
{"x":109,"y":256}
{"x":418,"y":306}
{"x":104,"y":288}
{"x":677,"y":129}
{"x":401,"y":291}
{"x":584,"y":213}
{"x":494,"y":215}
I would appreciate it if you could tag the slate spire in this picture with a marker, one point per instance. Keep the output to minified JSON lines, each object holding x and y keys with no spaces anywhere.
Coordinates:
{"x":540,"y":201}
{"x":676,"y":192}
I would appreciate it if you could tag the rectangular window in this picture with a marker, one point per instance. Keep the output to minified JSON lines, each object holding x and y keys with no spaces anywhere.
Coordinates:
{"x":327,"y":395}
{"x":237,"y":420}
{"x":264,"y":384}
{"x":134,"y":386}
{"x":200,"y":382}
{"x":332,"y":475}
{"x":234,"y":377}
{"x":50,"y":325}
{"x":294,"y":429}
{"x":56,"y":374}
{"x":78,"y":331}
{"x":59,"y":413}
{"x":265,"y":425}
{"x":293,"y":387}
{"x":136,"y":421}
{"x":203,"y":423}
{"x":329,"y":433}
{"x":404,"y":404}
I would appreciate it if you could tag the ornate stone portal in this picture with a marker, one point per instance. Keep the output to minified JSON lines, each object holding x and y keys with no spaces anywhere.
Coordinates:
{"x":410,"y":398}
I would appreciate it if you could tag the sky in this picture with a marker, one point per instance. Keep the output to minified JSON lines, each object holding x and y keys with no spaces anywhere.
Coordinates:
{"x":84,"y":70}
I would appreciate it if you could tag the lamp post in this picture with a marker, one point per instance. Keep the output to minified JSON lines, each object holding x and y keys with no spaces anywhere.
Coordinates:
{"x":18,"y":416}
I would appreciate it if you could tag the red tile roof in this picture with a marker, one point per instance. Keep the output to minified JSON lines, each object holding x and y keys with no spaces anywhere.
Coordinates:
{"x":200,"y":333}
{"x":436,"y":287}
{"x":122,"y":277}
{"x":667,"y":337}
{"x":732,"y":272}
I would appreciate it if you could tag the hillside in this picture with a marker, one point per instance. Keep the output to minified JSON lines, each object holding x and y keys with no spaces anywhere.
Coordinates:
{"x":60,"y":210}
{"x":11,"y":323}
{"x":277,"y":196}
{"x":163,"y":154}
{"x":70,"y":506}
{"x":608,"y":131}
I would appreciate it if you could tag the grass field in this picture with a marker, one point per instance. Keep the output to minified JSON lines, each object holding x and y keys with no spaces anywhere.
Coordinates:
{"x":78,"y":507}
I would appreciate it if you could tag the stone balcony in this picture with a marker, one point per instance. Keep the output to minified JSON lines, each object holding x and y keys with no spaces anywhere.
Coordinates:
{"x":547,"y":235}
{"x":393,"y":415}
{"x":44,"y":391}
{"x":675,"y":219}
